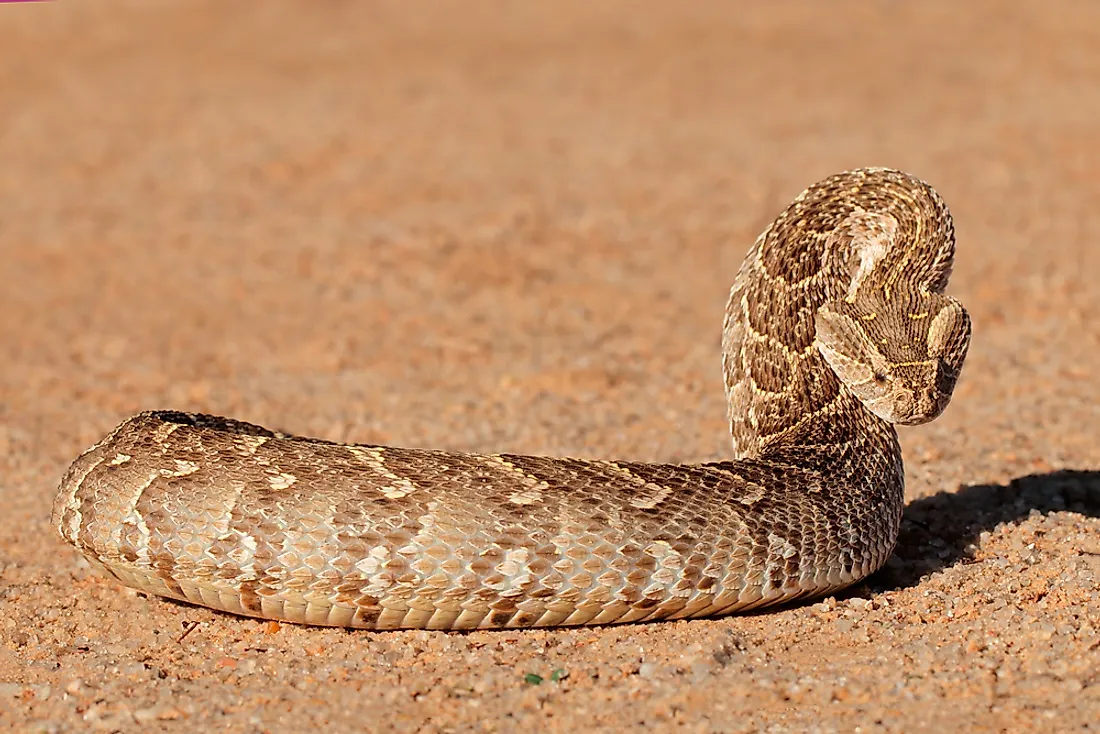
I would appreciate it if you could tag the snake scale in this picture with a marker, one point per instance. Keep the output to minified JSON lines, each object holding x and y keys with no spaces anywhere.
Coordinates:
{"x":837,"y":327}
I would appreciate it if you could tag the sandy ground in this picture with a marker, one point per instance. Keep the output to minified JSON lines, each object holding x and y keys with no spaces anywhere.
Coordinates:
{"x":512,"y":226}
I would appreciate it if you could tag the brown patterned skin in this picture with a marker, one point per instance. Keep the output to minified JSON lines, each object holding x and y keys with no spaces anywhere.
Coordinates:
{"x":837,"y":326}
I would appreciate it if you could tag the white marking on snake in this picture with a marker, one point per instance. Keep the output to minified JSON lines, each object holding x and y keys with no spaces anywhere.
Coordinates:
{"x":375,"y":458}
{"x":251,"y":444}
{"x":164,"y":430}
{"x":183,"y":468}
{"x":282,"y":481}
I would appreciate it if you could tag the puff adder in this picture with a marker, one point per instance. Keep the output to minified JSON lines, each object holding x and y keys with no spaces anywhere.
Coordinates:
{"x":837,"y":328}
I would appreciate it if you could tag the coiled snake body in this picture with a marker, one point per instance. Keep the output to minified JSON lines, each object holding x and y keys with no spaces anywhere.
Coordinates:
{"x":836,"y":328}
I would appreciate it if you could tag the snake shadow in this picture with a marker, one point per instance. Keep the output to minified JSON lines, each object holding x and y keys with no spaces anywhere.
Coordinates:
{"x":942,"y":530}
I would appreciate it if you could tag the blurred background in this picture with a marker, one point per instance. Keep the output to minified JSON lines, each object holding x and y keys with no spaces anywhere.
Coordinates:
{"x":200,"y":198}
{"x":512,"y":226}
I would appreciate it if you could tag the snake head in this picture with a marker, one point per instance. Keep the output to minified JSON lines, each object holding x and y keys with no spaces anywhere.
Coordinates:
{"x":900,"y":355}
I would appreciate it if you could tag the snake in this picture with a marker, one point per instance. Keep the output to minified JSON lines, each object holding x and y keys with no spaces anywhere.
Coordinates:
{"x":836,"y":330}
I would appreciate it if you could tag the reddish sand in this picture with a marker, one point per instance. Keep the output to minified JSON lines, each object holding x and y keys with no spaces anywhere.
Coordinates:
{"x":512,"y":226}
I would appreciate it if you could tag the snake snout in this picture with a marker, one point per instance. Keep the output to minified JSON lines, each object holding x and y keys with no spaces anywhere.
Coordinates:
{"x":919,"y":406}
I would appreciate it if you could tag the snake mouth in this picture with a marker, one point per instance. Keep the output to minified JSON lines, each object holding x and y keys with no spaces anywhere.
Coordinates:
{"x":906,"y":408}
{"x":916,"y":420}
{"x":920,"y":409}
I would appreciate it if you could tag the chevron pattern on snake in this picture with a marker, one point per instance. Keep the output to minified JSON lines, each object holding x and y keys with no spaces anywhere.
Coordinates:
{"x":837,"y":328}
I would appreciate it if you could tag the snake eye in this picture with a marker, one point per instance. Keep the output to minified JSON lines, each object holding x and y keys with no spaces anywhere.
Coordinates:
{"x":879,"y":378}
